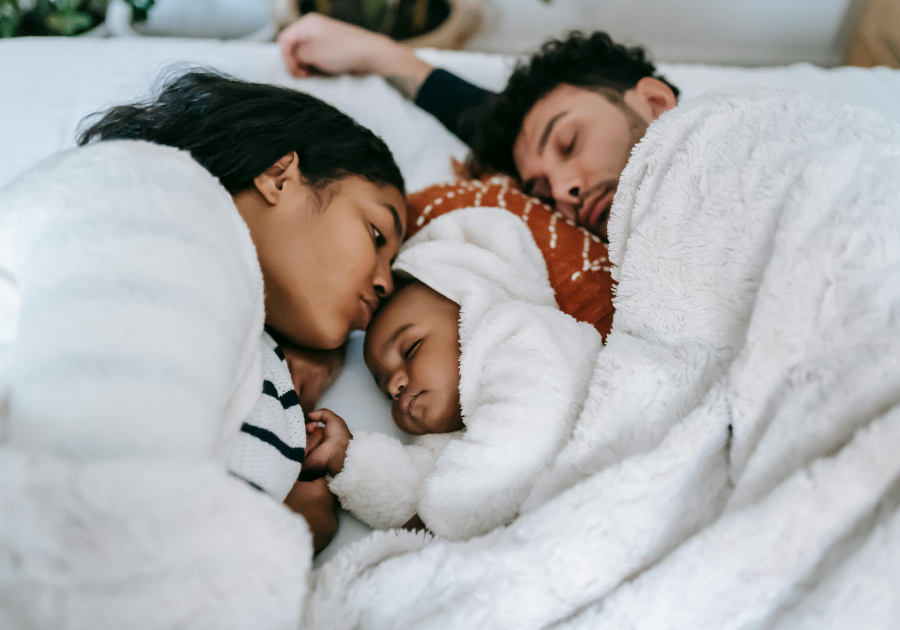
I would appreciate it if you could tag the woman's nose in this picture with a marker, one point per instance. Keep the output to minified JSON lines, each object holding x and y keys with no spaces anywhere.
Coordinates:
{"x":397,"y":384}
{"x":384,"y":281}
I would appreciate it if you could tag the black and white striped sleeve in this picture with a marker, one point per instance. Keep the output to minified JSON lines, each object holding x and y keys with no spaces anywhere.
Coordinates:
{"x":269,"y":450}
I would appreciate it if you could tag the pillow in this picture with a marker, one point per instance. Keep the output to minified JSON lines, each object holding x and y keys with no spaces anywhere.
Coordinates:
{"x":577,"y":261}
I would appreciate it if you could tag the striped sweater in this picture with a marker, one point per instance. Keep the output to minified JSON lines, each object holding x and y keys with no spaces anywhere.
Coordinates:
{"x":269,"y":450}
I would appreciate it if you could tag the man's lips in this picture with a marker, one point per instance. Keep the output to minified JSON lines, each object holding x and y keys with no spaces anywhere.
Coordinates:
{"x":593,"y":211}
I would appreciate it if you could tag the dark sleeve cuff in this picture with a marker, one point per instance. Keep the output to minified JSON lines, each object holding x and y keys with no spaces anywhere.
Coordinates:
{"x":447,"y":97}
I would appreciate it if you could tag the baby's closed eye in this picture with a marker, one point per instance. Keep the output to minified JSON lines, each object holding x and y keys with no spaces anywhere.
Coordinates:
{"x":412,"y":348}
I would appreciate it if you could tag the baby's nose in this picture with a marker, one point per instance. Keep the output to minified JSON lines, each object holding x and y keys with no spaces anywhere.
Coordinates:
{"x":397,"y":385}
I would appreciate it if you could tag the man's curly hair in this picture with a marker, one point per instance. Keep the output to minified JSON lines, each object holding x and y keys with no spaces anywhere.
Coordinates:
{"x":592,"y":61}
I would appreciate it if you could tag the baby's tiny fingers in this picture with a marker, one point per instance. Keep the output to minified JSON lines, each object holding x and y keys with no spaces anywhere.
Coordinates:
{"x":324,"y":415}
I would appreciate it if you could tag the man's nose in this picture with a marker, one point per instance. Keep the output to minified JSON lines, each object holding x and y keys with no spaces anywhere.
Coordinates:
{"x":567,"y":202}
{"x":566,"y":189}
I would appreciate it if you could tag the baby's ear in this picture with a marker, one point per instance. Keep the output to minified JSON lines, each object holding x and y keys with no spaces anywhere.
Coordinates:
{"x":272,"y":183}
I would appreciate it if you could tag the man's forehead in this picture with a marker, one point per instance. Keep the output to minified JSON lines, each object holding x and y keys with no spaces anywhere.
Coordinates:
{"x":539,"y":121}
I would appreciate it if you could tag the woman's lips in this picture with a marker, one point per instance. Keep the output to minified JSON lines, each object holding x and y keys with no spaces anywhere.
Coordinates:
{"x":368,"y":309}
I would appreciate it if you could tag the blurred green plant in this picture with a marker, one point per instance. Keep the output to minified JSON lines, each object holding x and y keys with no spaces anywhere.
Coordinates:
{"x":59,"y":17}
{"x":10,"y":16}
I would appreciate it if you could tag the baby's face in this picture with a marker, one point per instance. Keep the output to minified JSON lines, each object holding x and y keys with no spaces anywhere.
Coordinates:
{"x":412,"y":349}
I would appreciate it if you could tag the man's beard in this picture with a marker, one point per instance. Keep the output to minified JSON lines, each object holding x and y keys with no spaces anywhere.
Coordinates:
{"x":637,"y":127}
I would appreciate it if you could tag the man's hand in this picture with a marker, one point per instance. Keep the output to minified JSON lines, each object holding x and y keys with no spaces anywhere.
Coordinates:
{"x":326,"y":447}
{"x":313,"y":501}
{"x":313,"y":372}
{"x":319,"y":44}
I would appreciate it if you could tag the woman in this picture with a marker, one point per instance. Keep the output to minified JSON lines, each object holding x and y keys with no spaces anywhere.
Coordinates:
{"x":322,"y":198}
{"x":287,"y":157}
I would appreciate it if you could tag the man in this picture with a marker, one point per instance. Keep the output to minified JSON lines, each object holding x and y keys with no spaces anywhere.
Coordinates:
{"x":564,"y":125}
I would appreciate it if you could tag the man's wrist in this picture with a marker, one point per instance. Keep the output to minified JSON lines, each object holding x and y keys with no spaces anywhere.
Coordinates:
{"x":402,"y":69}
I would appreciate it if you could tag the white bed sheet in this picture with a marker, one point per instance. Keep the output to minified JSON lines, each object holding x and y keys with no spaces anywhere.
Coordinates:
{"x":47,"y":85}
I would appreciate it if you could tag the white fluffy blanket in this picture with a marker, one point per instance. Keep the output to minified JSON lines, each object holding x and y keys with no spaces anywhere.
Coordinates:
{"x":524,"y":369}
{"x":131,"y":309}
{"x":736,"y":461}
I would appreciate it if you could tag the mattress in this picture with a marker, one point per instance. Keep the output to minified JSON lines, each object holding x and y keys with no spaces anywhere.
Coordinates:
{"x":50,"y":84}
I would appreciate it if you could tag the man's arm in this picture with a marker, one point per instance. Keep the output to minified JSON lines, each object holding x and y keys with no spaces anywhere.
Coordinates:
{"x":318,"y":44}
{"x":448,"y":98}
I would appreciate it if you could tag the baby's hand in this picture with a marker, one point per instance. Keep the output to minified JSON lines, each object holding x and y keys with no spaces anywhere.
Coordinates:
{"x":326,"y":447}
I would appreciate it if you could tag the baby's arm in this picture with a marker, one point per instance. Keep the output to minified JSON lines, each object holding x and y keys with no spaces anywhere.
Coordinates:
{"x":381,"y":479}
{"x":375,"y":477}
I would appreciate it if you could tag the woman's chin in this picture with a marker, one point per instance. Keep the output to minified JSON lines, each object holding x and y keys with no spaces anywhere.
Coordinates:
{"x":336,"y":339}
{"x":327,"y":337}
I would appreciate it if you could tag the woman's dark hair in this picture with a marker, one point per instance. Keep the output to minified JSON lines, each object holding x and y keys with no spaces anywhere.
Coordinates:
{"x":237,"y":130}
{"x":591,"y":61}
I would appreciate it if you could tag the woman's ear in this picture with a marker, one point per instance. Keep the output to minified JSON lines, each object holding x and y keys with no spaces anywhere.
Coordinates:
{"x":284,"y":173}
{"x":652,"y":98}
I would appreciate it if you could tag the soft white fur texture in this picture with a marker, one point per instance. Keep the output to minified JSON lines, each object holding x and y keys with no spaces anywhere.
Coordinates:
{"x":381,"y":481}
{"x":144,"y":544}
{"x":524,"y":373}
{"x":735,"y":464}
{"x":131,"y":309}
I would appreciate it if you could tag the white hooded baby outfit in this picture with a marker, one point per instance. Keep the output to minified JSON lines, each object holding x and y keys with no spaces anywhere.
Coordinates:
{"x":519,"y":394}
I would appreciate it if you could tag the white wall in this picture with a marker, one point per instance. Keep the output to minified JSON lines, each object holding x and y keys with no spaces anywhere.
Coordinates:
{"x":740,"y":32}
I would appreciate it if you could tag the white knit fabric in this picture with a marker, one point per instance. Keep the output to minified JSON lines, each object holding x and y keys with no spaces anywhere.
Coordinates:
{"x":272,"y":459}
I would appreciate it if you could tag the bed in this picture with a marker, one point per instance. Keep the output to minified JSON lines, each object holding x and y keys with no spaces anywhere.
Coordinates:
{"x":49,"y":85}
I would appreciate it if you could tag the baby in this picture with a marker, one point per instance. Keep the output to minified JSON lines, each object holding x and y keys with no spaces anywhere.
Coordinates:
{"x":480,"y":366}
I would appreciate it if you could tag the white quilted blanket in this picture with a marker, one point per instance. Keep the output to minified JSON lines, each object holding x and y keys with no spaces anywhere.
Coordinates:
{"x":735,"y":464}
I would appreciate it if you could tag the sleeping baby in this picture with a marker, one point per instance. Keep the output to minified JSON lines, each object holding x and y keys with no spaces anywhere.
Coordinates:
{"x":482,"y":369}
